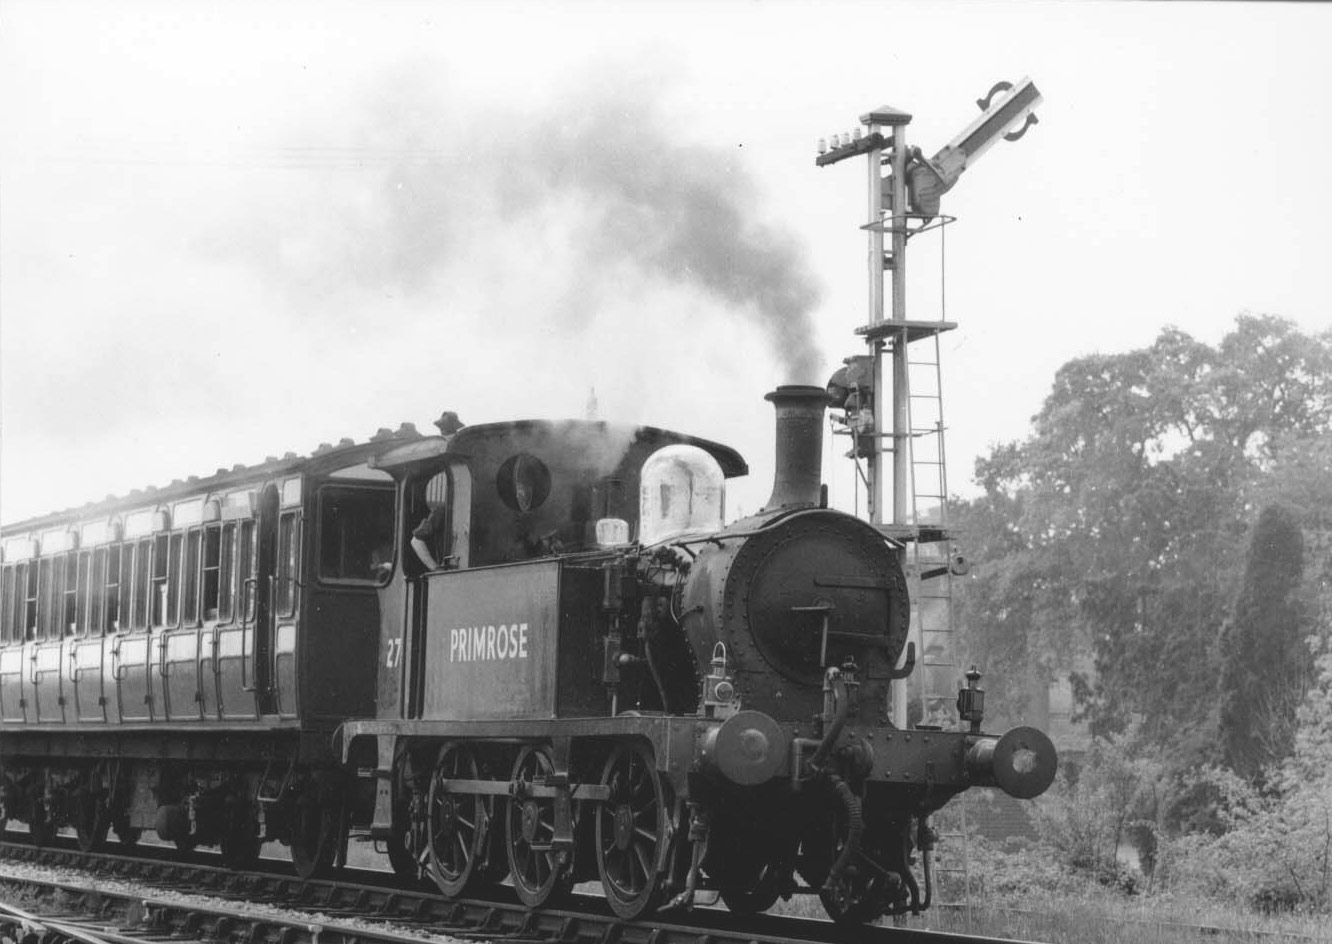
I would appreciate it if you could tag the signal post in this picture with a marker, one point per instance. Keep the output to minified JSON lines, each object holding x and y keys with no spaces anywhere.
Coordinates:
{"x":902,"y":205}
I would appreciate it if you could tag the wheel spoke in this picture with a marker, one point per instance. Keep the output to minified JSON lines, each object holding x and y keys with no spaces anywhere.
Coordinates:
{"x":630,"y":831}
{"x":644,"y":862}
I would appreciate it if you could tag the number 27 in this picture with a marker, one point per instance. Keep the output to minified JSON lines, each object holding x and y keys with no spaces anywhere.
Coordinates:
{"x":394,"y":654}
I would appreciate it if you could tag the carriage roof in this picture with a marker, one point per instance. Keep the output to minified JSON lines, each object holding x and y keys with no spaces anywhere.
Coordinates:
{"x":328,"y":457}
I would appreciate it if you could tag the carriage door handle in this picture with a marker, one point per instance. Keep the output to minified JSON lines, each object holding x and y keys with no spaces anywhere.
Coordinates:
{"x":247,"y":594}
{"x":118,"y":671}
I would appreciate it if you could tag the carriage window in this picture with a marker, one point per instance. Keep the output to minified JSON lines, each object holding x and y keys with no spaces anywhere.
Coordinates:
{"x":118,"y":608}
{"x":117,"y":587}
{"x":173,"y":579}
{"x":46,"y":606}
{"x":355,"y":534}
{"x":27,"y":579}
{"x":226,"y":575}
{"x":7,"y":601}
{"x":245,"y":567}
{"x":212,"y":570}
{"x":76,"y":592}
{"x":289,"y":541}
{"x":97,"y":621}
{"x":189,"y":579}
{"x":142,"y":585}
{"x":166,"y":552}
{"x":87,"y":592}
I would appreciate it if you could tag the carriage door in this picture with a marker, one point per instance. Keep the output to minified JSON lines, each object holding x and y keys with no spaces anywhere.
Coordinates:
{"x":238,"y":611}
{"x":14,"y":681}
{"x":46,"y":654}
{"x":85,"y":657}
{"x":181,"y":652}
{"x":131,"y":662}
{"x":265,"y":601}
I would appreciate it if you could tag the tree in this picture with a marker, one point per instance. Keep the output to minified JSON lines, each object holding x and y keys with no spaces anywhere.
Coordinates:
{"x":1266,"y":667}
{"x":1117,"y":527}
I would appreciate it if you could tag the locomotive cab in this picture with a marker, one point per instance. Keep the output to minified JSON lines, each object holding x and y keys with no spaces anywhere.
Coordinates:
{"x":524,"y":513}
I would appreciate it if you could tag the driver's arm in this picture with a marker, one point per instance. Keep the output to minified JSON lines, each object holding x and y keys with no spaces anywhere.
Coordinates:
{"x":423,"y":551}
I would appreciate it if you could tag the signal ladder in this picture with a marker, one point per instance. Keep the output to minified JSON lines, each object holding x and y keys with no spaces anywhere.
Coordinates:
{"x":930,"y":576}
{"x":931,"y":551}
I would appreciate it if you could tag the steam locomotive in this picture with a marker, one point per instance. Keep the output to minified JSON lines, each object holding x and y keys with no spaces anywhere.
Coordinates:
{"x":523,"y":650}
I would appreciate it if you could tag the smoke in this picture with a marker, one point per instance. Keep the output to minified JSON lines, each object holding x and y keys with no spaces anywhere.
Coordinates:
{"x":685,"y":214}
{"x":592,"y":196}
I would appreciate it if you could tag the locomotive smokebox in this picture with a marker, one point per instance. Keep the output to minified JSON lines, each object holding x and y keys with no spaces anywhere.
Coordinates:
{"x":799,"y":446}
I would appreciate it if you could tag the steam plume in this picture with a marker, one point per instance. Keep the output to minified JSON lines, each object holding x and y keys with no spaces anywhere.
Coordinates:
{"x":601,"y":170}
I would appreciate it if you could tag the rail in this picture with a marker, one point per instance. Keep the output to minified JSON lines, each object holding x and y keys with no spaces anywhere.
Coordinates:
{"x":373,"y":908}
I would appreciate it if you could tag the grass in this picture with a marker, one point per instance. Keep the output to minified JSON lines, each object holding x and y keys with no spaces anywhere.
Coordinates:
{"x":1098,"y":915}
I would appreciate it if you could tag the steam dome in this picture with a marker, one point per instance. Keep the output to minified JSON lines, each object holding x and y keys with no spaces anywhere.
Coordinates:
{"x":682,"y":492}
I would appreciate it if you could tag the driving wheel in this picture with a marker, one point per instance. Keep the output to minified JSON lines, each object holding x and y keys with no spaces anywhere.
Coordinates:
{"x":540,"y":872}
{"x":631,"y":831}
{"x":459,"y":824}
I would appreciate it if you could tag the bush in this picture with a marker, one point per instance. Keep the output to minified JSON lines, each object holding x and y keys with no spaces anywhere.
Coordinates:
{"x":1102,"y":820}
{"x":1274,"y":850}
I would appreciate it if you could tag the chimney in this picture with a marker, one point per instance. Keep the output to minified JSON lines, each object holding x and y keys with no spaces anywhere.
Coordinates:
{"x":799,"y":474}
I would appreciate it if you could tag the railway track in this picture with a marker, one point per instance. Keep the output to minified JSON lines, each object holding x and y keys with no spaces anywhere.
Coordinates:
{"x":165,"y":899}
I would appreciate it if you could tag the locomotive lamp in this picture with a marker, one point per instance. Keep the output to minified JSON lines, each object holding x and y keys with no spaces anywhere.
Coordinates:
{"x":971,"y":701}
{"x":719,"y":698}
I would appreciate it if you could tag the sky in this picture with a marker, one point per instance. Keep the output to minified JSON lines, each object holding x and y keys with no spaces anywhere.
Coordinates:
{"x":234,"y":230}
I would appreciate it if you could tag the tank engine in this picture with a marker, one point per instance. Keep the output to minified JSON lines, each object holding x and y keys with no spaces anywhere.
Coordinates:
{"x":522,"y":650}
{"x":706,"y":707}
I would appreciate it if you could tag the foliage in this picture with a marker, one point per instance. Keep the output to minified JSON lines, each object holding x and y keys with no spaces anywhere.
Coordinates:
{"x":1276,"y":851}
{"x":1265,"y":661}
{"x":1115,"y":532}
{"x":1098,"y":815}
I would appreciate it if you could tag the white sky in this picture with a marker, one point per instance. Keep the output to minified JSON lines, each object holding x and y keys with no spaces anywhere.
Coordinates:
{"x":232,"y":230}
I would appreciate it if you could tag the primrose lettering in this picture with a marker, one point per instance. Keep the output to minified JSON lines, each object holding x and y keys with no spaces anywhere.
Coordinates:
{"x":488,"y":643}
